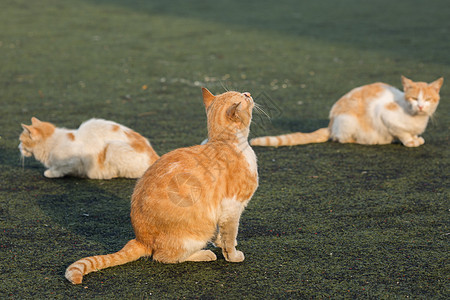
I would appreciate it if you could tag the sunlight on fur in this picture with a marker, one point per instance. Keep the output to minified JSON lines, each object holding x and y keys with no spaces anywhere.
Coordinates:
{"x":373,"y":114}
{"x":191,"y":196}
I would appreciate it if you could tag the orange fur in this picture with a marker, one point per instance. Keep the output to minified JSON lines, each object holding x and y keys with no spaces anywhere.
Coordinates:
{"x":192,"y":195}
{"x":101,"y":157}
{"x":319,"y":136}
{"x":391,"y":106}
{"x":356,"y":103}
{"x":71,"y":136}
{"x":36,"y":133}
{"x":37,"y":129}
{"x":140,"y":144}
{"x":412,"y":89}
{"x":132,"y":249}
{"x":372,"y":114}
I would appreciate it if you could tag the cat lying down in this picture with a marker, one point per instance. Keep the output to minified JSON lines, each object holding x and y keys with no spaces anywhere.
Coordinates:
{"x":373,"y":114}
{"x":98,"y":149}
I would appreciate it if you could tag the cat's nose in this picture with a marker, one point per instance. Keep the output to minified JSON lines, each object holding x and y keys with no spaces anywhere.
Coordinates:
{"x":420,"y":107}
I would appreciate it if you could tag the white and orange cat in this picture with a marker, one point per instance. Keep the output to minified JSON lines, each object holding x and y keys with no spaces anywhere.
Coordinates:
{"x":373,"y":114}
{"x":98,"y":149}
{"x":191,"y":196}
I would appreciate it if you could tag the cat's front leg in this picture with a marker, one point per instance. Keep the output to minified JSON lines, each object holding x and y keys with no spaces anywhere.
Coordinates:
{"x":228,"y":229}
{"x":218,"y":241}
{"x":53,"y":173}
{"x":229,"y":250}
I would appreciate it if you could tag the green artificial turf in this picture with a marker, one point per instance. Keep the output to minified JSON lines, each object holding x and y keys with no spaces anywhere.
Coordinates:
{"x":328,"y":220}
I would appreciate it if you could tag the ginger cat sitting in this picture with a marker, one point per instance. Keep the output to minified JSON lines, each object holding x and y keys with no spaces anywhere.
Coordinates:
{"x":191,"y":196}
{"x":373,"y":114}
{"x":98,"y":149}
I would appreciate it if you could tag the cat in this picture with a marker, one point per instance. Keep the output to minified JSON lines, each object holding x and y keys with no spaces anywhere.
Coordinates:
{"x":191,"y":196}
{"x":373,"y":114}
{"x":98,"y":149}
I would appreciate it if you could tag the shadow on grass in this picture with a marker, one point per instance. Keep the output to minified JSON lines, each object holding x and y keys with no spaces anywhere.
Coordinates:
{"x":94,"y":213}
{"x":96,"y":210}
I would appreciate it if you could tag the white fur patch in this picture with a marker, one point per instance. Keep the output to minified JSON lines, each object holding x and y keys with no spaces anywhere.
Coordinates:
{"x":251,"y":158}
{"x":231,"y":208}
{"x":248,"y":152}
{"x":191,"y":246}
{"x":395,"y":123}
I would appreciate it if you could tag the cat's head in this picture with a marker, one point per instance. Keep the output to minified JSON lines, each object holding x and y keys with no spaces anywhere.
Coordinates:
{"x":228,"y":113}
{"x":422,"y":97}
{"x":34,"y":135}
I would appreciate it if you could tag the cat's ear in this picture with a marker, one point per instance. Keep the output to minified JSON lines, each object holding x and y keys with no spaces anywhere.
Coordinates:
{"x":26,"y":128}
{"x":29,"y":130}
{"x":208,"y":97}
{"x":35,"y":121}
{"x":233,"y":112}
{"x":437,"y":84}
{"x":406,"y":82}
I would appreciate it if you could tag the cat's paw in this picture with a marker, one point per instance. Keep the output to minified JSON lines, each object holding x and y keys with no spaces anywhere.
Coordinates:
{"x":234,"y":256}
{"x":415,"y":142}
{"x":202,"y":255}
{"x":52,"y":174}
{"x":208,"y":255}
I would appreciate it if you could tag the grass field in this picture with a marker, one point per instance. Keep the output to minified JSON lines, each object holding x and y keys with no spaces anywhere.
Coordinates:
{"x":328,"y":220}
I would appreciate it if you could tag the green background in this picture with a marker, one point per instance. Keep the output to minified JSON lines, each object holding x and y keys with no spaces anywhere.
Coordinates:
{"x":328,"y":220}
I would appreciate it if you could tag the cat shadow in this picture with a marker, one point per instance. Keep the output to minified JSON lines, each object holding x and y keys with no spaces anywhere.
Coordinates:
{"x":95,"y":210}
{"x":91,"y":214}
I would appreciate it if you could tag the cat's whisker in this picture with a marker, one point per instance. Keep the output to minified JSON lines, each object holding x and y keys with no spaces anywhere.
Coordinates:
{"x":261,"y":111}
{"x":224,"y":87}
{"x":258,"y":106}
{"x":433,"y":119}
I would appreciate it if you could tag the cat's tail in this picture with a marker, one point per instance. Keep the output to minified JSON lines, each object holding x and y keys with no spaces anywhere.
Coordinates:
{"x":132,"y":251}
{"x":319,"y":136}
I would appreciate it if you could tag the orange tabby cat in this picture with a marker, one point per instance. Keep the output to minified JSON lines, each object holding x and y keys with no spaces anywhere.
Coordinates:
{"x":98,"y":149}
{"x":191,"y":195}
{"x":373,"y":114}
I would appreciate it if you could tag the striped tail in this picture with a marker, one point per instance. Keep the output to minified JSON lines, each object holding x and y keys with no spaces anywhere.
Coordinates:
{"x":319,"y":136}
{"x":132,"y":251}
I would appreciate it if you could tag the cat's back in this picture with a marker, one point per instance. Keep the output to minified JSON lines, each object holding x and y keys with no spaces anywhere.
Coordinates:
{"x":178,"y":184}
{"x":99,"y":126}
{"x":211,"y":168}
{"x":99,"y":131}
{"x":199,"y":159}
{"x":359,"y":100}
